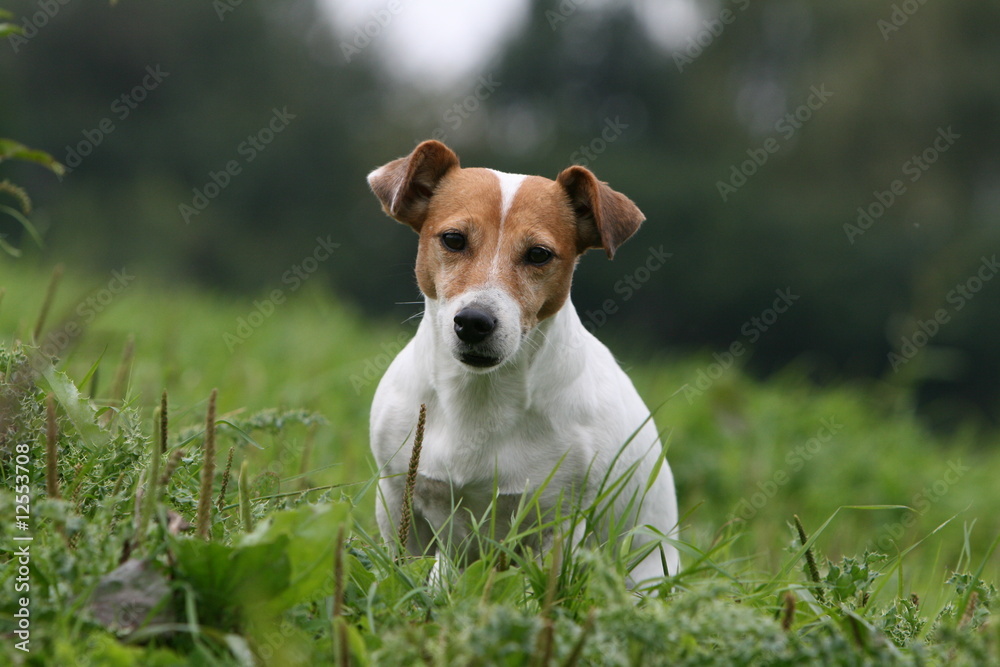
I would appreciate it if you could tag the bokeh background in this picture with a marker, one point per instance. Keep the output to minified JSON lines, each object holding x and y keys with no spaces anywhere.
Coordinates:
{"x":750,"y":133}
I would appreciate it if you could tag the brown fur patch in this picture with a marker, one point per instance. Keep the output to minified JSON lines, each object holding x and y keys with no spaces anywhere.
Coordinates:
{"x":468,"y":201}
{"x":606,"y":218}
{"x":406,"y":186}
{"x":540,"y":216}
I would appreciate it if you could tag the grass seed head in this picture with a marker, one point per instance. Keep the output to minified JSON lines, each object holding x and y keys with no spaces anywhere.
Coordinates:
{"x":204,"y":527}
{"x":406,"y":512}
{"x":51,"y":448}
{"x":221,"y":502}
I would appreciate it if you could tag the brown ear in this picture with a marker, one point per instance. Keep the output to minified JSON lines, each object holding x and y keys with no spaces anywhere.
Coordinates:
{"x":405,"y":186}
{"x":605,"y":218}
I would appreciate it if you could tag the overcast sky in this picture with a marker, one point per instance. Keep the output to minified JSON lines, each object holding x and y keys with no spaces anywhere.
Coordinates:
{"x":440,"y":42}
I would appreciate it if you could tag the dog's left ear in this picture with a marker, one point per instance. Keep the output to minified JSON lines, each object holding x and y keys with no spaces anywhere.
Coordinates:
{"x":605,"y":218}
{"x":405,"y":186}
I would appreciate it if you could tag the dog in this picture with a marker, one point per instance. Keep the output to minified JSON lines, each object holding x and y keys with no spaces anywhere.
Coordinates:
{"x":522,"y":401}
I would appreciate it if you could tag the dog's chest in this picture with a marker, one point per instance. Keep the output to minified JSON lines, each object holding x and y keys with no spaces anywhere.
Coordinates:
{"x":455,"y":513}
{"x":442,"y":504}
{"x":506,"y":455}
{"x":474,"y":479}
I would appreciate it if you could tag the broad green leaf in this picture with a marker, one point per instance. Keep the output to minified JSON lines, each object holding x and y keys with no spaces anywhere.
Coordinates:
{"x":311,"y":531}
{"x":356,"y":574}
{"x":78,"y":408}
{"x":230,"y":582}
{"x":405,"y":581}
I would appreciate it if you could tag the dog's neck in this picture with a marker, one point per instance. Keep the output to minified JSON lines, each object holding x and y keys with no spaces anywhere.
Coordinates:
{"x":548,"y":357}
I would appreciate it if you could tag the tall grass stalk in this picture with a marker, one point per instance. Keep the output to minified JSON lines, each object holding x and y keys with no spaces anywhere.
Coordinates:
{"x":163,"y":422}
{"x":152,"y":476}
{"x":221,"y":501}
{"x":339,"y":630}
{"x":50,"y":294}
{"x":243,"y":489}
{"x":406,"y":513}
{"x":204,"y":521}
{"x":811,"y":570}
{"x":51,"y":448}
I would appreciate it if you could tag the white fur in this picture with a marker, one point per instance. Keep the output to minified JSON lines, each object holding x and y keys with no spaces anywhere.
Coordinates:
{"x":509,"y":185}
{"x":505,"y":339}
{"x":559,"y":396}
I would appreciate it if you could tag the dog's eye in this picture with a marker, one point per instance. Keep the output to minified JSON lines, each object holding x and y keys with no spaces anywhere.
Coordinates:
{"x":453,"y":241}
{"x":538,"y":256}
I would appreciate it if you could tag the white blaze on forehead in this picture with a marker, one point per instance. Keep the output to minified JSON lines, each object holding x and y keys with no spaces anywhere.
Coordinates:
{"x":509,"y":185}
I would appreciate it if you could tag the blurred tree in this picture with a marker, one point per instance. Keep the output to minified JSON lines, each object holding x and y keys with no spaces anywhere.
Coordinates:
{"x":750,"y":144}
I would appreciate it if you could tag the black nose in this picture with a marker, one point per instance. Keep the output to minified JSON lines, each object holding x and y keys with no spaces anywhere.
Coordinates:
{"x":473,"y":326}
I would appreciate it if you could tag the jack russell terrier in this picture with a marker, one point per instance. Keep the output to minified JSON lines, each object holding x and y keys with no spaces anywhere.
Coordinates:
{"x":522,"y":401}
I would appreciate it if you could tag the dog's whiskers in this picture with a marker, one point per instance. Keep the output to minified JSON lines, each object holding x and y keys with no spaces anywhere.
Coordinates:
{"x":414,"y":316}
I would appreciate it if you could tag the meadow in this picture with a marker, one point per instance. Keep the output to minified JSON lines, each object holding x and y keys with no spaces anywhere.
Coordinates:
{"x":821,"y":524}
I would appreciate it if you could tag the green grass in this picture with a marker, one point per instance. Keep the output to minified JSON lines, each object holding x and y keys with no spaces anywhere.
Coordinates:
{"x":892,"y":585}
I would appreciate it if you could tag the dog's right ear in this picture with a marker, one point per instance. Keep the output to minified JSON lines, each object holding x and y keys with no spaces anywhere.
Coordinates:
{"x":605,"y":218}
{"x":405,"y":186}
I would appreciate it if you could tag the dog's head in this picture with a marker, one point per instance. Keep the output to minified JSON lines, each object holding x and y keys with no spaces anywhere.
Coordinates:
{"x":497,"y":251}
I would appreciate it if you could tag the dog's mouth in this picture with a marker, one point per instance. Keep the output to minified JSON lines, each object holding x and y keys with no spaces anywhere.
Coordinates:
{"x":478,"y":360}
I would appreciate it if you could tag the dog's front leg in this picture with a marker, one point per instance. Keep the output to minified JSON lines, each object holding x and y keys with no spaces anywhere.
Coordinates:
{"x":388,"y":509}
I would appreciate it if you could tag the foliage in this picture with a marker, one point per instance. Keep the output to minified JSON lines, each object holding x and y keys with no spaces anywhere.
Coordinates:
{"x":108,"y":588}
{"x":12,"y":150}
